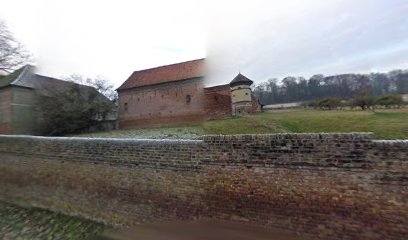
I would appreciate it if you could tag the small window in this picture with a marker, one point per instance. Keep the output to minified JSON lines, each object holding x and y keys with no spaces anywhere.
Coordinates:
{"x":246,"y":93}
{"x":138,"y":99}
{"x":188,"y":99}
{"x":125,"y":107}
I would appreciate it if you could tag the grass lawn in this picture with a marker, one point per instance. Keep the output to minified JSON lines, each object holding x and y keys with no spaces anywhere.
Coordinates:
{"x":33,"y":223}
{"x":385,"y":124}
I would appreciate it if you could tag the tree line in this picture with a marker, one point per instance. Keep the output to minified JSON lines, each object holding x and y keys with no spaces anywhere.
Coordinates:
{"x":343,"y":86}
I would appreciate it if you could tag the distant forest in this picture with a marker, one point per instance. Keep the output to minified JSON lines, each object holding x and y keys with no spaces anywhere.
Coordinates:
{"x":296,"y":89}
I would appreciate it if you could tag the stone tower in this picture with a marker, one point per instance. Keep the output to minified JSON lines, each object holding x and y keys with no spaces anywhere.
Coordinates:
{"x":241,"y":97}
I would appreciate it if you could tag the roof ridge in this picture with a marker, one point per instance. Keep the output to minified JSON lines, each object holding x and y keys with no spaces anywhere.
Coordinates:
{"x":168,"y":65}
{"x":166,"y":73}
{"x":65,"y":81}
{"x":18,"y":78}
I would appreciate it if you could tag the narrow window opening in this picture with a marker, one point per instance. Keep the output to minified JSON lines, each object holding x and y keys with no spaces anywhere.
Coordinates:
{"x":188,"y":99}
{"x":125,"y":107}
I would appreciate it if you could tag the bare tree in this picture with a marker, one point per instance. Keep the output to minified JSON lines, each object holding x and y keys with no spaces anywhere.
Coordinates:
{"x":100,"y":83}
{"x":12,"y":53}
{"x":73,"y":108}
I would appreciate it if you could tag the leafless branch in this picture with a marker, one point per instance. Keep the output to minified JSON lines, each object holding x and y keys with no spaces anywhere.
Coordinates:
{"x":12,"y":53}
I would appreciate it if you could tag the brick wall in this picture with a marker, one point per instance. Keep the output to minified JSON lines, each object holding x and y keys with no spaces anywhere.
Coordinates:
{"x":218,"y":102}
{"x":24,"y":117}
{"x":256,"y":106}
{"x":326,"y":186}
{"x":17,"y":112}
{"x":6,"y":97}
{"x":162,"y":104}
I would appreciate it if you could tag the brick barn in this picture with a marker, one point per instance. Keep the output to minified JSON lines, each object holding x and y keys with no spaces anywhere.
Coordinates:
{"x":20,"y":93}
{"x":176,"y":94}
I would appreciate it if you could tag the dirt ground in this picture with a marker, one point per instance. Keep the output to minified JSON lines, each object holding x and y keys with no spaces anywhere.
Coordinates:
{"x":198,"y":231}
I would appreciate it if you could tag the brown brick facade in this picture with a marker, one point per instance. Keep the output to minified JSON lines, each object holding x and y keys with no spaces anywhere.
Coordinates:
{"x":256,"y":105}
{"x":218,"y":102}
{"x":174,"y":94}
{"x":5,"y":110}
{"x":162,"y":104}
{"x":323,"y":186}
{"x":17,"y":113}
{"x":166,"y":104}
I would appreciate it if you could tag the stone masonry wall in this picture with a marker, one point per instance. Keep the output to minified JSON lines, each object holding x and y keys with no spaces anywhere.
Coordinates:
{"x":322,"y":186}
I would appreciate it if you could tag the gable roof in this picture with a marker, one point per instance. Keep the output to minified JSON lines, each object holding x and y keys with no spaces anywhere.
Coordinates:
{"x":43,"y":85}
{"x":163,"y":74}
{"x":22,"y":77}
{"x":8,"y":79}
{"x":240,"y":79}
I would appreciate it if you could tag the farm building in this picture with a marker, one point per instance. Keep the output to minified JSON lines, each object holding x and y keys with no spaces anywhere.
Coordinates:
{"x":176,"y":93}
{"x":20,"y":94}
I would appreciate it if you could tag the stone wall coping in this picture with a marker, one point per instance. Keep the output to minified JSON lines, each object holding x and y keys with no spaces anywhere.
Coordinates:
{"x":209,"y":138}
{"x":302,"y":136}
{"x":351,"y":135}
{"x":104,"y":140}
{"x":391,"y":141}
{"x":403,"y":143}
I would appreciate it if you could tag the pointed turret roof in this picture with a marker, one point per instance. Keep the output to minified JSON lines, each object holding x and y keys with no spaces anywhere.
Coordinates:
{"x":240,"y":79}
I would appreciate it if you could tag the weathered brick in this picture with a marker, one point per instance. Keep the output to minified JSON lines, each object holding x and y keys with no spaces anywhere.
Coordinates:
{"x":328,"y":186}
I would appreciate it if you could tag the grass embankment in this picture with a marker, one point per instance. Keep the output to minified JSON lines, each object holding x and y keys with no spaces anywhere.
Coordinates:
{"x":33,"y":223}
{"x":385,"y":124}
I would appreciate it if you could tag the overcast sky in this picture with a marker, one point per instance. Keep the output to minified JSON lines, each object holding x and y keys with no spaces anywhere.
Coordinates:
{"x":260,"y":38}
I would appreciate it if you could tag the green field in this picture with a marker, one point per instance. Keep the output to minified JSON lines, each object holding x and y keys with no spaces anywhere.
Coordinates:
{"x":385,"y":124}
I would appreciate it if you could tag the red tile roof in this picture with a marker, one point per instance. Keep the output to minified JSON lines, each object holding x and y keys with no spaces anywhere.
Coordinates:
{"x":163,"y":74}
